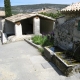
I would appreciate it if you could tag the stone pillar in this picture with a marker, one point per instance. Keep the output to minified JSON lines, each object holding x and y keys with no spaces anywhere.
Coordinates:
{"x":18,"y":29}
{"x":2,"y":24}
{"x":54,"y":25}
{"x":4,"y":38}
{"x":3,"y":35}
{"x":36,"y":25}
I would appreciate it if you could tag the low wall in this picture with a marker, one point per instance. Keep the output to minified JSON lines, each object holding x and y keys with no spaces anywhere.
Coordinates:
{"x":63,"y":37}
{"x":63,"y":67}
{"x":31,"y":43}
{"x":48,"y":53}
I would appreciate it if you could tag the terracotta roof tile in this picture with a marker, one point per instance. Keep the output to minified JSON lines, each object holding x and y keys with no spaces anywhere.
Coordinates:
{"x":72,"y":7}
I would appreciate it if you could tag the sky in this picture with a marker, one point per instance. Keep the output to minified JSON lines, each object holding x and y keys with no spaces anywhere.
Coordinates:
{"x":29,"y":2}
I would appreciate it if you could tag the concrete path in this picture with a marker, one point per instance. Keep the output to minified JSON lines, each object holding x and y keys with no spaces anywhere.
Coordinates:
{"x":21,"y":61}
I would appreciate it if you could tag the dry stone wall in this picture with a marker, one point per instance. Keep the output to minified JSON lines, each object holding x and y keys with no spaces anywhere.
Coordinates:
{"x":64,"y":34}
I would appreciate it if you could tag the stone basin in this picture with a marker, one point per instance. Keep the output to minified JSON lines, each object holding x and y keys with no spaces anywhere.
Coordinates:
{"x":67,"y":69}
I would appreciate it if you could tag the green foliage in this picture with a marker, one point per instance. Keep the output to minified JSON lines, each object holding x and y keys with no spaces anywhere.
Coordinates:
{"x":42,"y":40}
{"x":37,"y":40}
{"x":41,"y":50}
{"x":52,"y":14}
{"x":47,"y":41}
{"x":31,"y":8}
{"x":7,"y":8}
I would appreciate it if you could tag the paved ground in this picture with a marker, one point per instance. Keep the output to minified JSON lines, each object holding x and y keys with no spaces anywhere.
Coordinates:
{"x":21,"y":61}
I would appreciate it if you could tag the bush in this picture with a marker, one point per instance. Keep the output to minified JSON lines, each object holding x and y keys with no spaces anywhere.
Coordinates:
{"x":52,"y":15}
{"x":47,"y":41}
{"x":42,"y":40}
{"x":37,"y":40}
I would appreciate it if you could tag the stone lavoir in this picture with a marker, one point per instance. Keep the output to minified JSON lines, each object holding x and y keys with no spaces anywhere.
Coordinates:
{"x":22,"y":26}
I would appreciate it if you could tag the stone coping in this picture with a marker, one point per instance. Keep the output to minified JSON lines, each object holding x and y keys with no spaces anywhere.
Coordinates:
{"x":31,"y":43}
{"x":51,"y":52}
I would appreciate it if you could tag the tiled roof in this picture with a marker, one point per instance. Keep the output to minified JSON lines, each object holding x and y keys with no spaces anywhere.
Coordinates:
{"x":72,"y":7}
{"x":20,"y":17}
{"x":2,"y":13}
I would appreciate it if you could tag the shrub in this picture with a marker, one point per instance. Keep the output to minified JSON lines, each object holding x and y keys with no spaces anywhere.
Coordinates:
{"x":58,"y":14}
{"x":42,"y":40}
{"x":47,"y":41}
{"x":37,"y":39}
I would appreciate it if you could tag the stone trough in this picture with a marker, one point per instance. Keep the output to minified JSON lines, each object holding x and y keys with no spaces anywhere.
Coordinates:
{"x":60,"y":63}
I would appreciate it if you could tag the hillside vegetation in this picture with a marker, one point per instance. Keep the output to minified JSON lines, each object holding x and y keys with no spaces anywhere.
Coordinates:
{"x":52,"y":15}
{"x":34,"y":8}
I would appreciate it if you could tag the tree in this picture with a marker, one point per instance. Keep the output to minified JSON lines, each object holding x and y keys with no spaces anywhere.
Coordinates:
{"x":7,"y":8}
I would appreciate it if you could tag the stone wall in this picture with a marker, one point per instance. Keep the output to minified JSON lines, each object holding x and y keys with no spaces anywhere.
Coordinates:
{"x":61,"y":20}
{"x":0,"y":24}
{"x":64,"y":34}
{"x":9,"y":28}
{"x":76,"y":32}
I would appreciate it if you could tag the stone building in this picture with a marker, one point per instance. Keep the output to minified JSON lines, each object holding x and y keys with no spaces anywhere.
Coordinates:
{"x":67,"y":30}
{"x":21,"y":25}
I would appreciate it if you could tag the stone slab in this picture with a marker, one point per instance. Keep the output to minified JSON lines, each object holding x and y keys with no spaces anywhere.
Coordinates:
{"x":46,"y":65}
{"x":37,"y":59}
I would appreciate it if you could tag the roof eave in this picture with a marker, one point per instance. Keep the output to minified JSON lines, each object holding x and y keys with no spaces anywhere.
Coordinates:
{"x":30,"y":16}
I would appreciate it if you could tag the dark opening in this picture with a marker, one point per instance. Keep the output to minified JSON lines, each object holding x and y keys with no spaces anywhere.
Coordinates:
{"x":27,"y":26}
{"x":79,"y":25}
{"x":46,"y":25}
